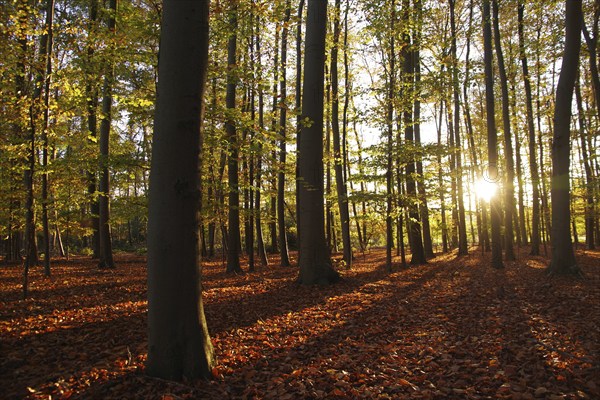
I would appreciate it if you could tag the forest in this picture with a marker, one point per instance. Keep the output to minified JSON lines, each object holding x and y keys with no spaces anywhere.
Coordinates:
{"x":300,"y":199}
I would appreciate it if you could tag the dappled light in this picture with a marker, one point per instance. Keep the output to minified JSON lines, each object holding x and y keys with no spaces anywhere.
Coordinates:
{"x":452,"y":328}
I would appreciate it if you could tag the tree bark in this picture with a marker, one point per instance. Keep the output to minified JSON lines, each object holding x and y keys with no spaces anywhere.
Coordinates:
{"x":533,"y":167}
{"x":589,"y":175}
{"x":179,"y":345}
{"x":492,"y":170}
{"x":104,"y":233}
{"x":233,"y":219}
{"x":314,"y":259}
{"x":509,"y":188}
{"x":462,"y":224}
{"x":338,"y":156}
{"x":283,"y":245}
{"x":563,"y":257}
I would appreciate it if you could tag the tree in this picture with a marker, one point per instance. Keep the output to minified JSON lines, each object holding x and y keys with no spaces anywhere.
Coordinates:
{"x":179,"y":345}
{"x":509,"y":189}
{"x":233,"y":236}
{"x":462,"y":224}
{"x":492,"y":170}
{"x":533,"y":166}
{"x":283,"y":246}
{"x":314,"y":259}
{"x":338,"y":156}
{"x":563,"y":257}
{"x":104,"y":234}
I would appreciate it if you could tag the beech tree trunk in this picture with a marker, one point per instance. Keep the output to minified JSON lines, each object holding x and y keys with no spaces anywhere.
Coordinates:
{"x":563,"y":257}
{"x":463,"y":247}
{"x":314,"y":258}
{"x":283,"y":245}
{"x":179,"y":345}
{"x":509,"y":188}
{"x":338,"y":156}
{"x":233,"y":234}
{"x":492,"y":169}
{"x":533,"y":166}
{"x":105,"y":240}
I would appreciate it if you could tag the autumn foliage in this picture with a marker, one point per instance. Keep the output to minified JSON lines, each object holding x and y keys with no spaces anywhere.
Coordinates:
{"x":454,"y":328}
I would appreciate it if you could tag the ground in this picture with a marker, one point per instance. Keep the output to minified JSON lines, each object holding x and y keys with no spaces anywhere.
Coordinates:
{"x":454,"y":328}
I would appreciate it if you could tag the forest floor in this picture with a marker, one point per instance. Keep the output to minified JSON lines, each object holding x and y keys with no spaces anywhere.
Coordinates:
{"x":454,"y":328}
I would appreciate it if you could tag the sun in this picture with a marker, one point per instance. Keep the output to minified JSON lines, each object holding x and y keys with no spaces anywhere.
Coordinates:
{"x":485,"y":189}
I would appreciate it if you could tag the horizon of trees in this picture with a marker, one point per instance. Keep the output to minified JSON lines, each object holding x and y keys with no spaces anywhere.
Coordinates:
{"x":411,"y":91}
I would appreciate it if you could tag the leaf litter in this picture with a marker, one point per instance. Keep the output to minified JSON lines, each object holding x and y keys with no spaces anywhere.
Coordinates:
{"x":454,"y":328}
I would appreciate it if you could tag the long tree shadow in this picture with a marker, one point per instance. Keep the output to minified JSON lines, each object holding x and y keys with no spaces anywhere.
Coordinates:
{"x":42,"y":361}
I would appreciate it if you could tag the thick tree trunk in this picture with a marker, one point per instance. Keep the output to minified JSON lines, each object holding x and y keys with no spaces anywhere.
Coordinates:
{"x":414,"y":230}
{"x":233,"y":234}
{"x":179,"y":345}
{"x":314,"y":259}
{"x":509,"y":188}
{"x":563,"y":256}
{"x":492,"y":170}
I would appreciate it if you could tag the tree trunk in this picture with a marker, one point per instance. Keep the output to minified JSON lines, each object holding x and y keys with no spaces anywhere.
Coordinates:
{"x":283,"y":245}
{"x":179,"y":345}
{"x":91,"y":92}
{"x":338,"y":156}
{"x":533,"y":167}
{"x":463,"y":247}
{"x":298,"y":99}
{"x":589,"y":176}
{"x":492,"y":170}
{"x":509,"y":189}
{"x":314,"y":259}
{"x":46,"y":55}
{"x":233,"y":234}
{"x":389,"y":237}
{"x":563,"y":256}
{"x":105,"y":241}
{"x":262,"y":252}
{"x":441,"y":187}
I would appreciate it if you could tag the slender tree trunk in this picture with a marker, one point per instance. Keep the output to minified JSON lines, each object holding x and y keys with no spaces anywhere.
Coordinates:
{"x":533,"y":167}
{"x":91,"y":92}
{"x":442,"y":189}
{"x":262,"y":252}
{"x":314,"y":259}
{"x":46,"y":55}
{"x":463,"y":247}
{"x":338,"y":156}
{"x":509,"y":189}
{"x":592,"y":47}
{"x":233,"y":235}
{"x":423,"y":207}
{"x":389,"y":241}
{"x":298,"y":99}
{"x":589,"y":176}
{"x":283,"y":246}
{"x":492,"y":170}
{"x":179,"y":346}
{"x":105,"y":241}
{"x":563,"y":256}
